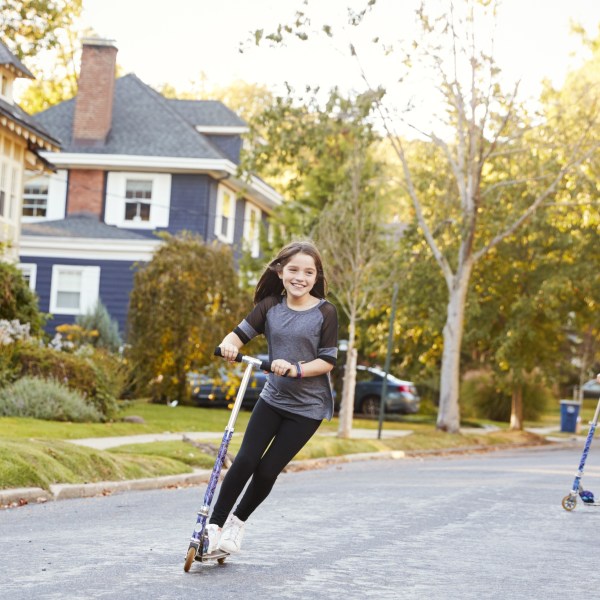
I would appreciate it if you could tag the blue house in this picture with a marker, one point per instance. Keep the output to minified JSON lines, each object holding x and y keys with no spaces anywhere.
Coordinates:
{"x":132,"y":163}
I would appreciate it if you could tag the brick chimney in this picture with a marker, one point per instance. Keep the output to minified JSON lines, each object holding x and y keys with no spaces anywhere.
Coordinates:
{"x":93,"y":108}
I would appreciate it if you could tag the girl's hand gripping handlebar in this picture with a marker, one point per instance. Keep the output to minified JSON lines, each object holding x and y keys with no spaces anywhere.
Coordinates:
{"x":264,"y":365}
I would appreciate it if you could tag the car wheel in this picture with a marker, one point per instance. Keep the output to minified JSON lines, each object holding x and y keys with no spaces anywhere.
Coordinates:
{"x":370,"y":406}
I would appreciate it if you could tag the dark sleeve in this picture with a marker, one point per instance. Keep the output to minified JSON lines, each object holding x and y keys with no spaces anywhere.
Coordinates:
{"x":327,"y":350}
{"x":254,"y":323}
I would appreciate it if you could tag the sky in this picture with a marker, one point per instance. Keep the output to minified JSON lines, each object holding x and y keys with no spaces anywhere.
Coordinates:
{"x":180,"y":41}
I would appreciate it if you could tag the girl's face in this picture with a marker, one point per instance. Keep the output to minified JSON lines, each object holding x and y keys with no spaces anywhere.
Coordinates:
{"x":299,"y":276}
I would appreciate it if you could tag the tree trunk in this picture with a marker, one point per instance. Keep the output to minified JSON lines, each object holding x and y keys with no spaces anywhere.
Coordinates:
{"x":347,"y":403}
{"x":448,"y":411}
{"x":516,"y":409}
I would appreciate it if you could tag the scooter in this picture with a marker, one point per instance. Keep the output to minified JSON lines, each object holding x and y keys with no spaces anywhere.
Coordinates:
{"x":198,"y":548}
{"x":570,"y":500}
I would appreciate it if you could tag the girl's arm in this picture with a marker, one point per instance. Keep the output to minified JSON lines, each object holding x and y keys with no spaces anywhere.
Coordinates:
{"x":309,"y":369}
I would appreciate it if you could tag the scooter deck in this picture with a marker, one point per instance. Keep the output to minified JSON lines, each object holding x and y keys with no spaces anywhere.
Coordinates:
{"x":216,"y":555}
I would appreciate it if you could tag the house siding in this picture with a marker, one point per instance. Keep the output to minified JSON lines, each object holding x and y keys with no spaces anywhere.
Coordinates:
{"x":190,"y":204}
{"x":238,"y":232}
{"x":116,"y":283}
{"x":192,"y":207}
{"x":229,"y":145}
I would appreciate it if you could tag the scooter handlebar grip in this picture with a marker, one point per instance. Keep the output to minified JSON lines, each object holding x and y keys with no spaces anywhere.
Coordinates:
{"x":238,"y":358}
{"x":265,"y":365}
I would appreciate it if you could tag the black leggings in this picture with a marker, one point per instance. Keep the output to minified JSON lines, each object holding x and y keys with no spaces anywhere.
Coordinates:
{"x":286,"y":433}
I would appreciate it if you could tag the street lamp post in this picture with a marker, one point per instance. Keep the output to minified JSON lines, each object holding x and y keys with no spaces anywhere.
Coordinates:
{"x":387,"y":360}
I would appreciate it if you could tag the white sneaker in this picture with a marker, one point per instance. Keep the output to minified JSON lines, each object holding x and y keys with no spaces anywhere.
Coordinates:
{"x":231,"y":537}
{"x":214,"y":535}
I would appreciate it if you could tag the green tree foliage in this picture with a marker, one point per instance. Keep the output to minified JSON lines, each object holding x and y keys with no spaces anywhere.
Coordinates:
{"x":575,"y":212}
{"x":477,"y":174}
{"x":47,"y":36}
{"x":17,"y":301}
{"x":32,"y":27}
{"x":106,"y":329}
{"x":182,"y":304}
{"x":484,"y":396}
{"x":533,"y":307}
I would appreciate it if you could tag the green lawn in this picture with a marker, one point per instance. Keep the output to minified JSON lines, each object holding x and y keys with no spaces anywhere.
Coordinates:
{"x":32,"y":452}
{"x":158,"y":418}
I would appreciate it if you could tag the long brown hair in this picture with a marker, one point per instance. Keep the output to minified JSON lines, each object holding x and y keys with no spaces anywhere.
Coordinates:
{"x":270,"y":284}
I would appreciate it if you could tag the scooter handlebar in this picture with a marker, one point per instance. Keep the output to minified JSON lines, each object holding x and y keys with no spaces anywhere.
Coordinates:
{"x":265,"y":365}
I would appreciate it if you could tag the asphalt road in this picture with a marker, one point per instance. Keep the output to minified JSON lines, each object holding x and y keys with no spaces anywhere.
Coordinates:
{"x":486,"y":526}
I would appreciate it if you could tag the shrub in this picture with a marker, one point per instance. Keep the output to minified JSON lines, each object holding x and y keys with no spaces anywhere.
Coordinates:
{"x":103,"y":329}
{"x":45,"y":399}
{"x":181,"y":303}
{"x":96,"y":374}
{"x":483,"y":396}
{"x":17,"y":301}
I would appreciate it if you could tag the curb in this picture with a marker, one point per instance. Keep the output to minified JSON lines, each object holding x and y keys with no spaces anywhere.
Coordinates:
{"x":65,"y":491}
{"x":12,"y":498}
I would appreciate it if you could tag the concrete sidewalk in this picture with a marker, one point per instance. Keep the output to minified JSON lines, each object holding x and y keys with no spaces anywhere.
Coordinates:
{"x":112,"y":442}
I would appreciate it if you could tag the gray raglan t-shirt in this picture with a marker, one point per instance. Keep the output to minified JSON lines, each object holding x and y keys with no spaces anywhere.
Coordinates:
{"x":296,"y":336}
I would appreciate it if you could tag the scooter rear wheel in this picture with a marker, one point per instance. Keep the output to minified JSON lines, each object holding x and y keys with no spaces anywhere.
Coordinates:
{"x":189,"y":559}
{"x":569,"y":502}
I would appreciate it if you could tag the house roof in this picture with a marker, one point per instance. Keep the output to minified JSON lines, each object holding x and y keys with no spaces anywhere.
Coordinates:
{"x":211,"y":113}
{"x":79,"y":225}
{"x":143,"y":123}
{"x":7,"y":58}
{"x":19,"y":117}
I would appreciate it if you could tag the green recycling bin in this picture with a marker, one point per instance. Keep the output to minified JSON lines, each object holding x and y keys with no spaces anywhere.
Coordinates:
{"x":569,"y":413}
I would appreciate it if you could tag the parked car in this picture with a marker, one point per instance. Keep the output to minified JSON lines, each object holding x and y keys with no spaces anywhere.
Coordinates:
{"x":401,"y":396}
{"x":222,"y":391}
{"x":591,"y":389}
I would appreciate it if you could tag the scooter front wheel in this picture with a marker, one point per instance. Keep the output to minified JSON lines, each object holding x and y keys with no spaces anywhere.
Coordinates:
{"x":569,"y":502}
{"x":189,"y":559}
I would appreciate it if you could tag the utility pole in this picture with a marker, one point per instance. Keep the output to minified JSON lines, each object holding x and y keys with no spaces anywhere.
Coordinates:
{"x":387,"y":359}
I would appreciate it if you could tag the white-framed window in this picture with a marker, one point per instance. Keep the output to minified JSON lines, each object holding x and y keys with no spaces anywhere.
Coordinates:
{"x":44,"y":196}
{"x":138,"y":200}
{"x":74,"y":289}
{"x":252,"y":229}
{"x":29,"y":271}
{"x":225,"y":218}
{"x":35,"y":197}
